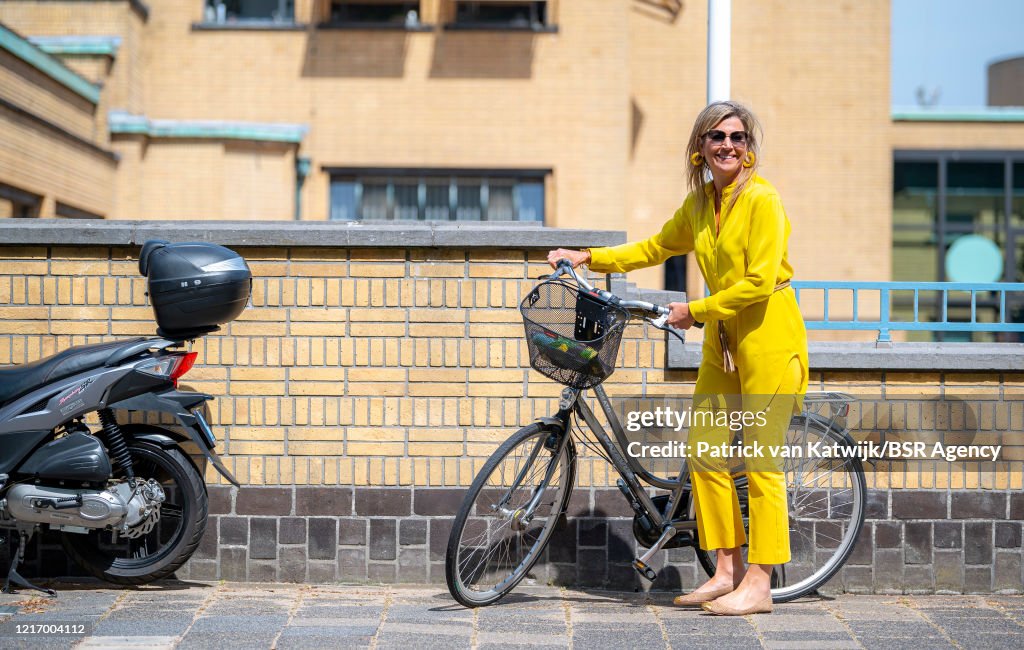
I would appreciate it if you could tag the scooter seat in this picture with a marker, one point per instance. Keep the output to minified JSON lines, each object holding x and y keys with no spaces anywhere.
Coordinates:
{"x":15,"y":381}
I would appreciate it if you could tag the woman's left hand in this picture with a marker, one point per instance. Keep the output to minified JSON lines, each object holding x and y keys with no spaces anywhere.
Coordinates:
{"x":680,"y":317}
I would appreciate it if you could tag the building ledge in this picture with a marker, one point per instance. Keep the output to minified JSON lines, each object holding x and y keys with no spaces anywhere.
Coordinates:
{"x":250,"y":26}
{"x":82,"y":45}
{"x":47,"y":64}
{"x":376,"y":27}
{"x":497,"y":27}
{"x":952,"y":357}
{"x":121,"y":122}
{"x":322,"y":234}
{"x":953,"y":114}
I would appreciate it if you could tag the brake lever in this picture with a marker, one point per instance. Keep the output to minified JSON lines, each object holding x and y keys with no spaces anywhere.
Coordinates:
{"x":659,"y":322}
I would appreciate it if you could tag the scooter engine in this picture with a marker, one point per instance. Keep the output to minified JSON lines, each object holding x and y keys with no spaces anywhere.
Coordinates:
{"x":131,"y":513}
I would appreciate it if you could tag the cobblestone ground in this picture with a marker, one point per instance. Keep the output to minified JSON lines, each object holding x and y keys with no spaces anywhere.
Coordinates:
{"x":232,"y":615}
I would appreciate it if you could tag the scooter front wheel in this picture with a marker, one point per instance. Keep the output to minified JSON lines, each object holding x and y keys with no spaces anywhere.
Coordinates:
{"x":160,"y":552}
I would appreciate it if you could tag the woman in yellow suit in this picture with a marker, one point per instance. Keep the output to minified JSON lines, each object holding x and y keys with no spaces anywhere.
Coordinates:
{"x":755,"y":345}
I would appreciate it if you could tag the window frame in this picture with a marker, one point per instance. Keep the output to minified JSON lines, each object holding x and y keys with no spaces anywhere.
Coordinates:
{"x":547,"y":25}
{"x":348,"y":24}
{"x":248,"y":23}
{"x":423,"y":178}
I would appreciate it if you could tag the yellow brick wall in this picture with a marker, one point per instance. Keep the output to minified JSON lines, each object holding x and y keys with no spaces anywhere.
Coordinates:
{"x":667,"y":89}
{"x":437,"y":99}
{"x":178,"y":179}
{"x":94,"y":68}
{"x":817,"y":73}
{"x":124,"y":80}
{"x":39,"y":160}
{"x":409,"y":366}
{"x":30,"y":89}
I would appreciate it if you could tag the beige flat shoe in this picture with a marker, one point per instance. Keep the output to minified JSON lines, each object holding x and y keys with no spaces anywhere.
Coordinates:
{"x":761,"y":607}
{"x":696,"y":599}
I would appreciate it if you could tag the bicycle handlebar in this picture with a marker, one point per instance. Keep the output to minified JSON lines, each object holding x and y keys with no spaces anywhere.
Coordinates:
{"x":660,"y":312}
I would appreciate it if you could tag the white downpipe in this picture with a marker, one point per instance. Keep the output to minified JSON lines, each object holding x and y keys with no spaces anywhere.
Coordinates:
{"x":719,"y":49}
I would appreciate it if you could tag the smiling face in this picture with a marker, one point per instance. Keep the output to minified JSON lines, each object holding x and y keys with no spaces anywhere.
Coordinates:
{"x":724,"y":159}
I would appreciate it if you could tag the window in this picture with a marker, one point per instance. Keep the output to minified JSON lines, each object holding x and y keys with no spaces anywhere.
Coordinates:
{"x":18,"y":203}
{"x":437,"y":195}
{"x":939,"y":197}
{"x":501,"y":14}
{"x":381,"y":13}
{"x":249,"y":11}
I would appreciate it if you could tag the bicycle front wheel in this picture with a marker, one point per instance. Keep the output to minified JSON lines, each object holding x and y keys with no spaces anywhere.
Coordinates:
{"x":826,"y":498}
{"x":508,"y":515}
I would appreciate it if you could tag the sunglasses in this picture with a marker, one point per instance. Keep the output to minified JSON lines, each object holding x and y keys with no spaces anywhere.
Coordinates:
{"x":739,"y":138}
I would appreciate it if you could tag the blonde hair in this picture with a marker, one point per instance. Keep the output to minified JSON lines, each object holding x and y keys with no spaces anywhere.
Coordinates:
{"x":707,"y":120}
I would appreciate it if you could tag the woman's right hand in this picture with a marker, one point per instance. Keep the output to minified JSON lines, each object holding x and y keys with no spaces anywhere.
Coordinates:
{"x":575,"y":257}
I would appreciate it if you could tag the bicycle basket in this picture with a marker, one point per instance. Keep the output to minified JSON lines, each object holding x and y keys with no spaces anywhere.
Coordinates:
{"x":573,"y":337}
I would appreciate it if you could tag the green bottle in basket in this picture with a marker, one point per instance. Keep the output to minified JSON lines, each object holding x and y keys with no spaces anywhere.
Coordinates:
{"x":561,"y":349}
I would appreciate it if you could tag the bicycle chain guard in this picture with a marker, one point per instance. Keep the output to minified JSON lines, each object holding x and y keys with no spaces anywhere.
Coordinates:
{"x":646,"y":534}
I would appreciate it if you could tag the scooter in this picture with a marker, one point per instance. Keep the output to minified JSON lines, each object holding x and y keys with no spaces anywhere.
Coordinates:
{"x":129,"y":502}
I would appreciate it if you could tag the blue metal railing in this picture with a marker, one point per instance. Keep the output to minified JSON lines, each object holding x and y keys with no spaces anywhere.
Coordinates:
{"x":993,"y":296}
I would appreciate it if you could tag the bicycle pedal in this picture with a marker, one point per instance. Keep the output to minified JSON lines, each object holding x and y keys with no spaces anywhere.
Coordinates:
{"x":645,"y":570}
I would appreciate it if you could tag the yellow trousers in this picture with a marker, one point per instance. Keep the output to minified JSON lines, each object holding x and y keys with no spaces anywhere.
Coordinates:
{"x":719,"y":520}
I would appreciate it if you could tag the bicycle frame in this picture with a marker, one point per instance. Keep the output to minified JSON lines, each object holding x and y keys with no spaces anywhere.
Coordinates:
{"x":629,"y":470}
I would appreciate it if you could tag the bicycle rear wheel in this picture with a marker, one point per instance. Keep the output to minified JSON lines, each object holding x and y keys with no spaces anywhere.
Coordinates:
{"x":492,"y":546}
{"x":826,"y":498}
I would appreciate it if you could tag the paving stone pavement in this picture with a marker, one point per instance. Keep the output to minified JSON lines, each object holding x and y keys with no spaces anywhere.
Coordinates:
{"x":174,"y":614}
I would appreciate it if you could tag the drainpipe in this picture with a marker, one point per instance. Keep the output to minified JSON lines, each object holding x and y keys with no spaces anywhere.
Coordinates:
{"x":719,"y":49}
{"x":302,"y":167}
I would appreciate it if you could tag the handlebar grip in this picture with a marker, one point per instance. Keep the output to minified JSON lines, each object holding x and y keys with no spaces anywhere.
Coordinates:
{"x":664,"y":311}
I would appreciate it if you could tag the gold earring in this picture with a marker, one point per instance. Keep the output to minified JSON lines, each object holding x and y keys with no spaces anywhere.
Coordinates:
{"x":696,"y":159}
{"x":749,"y":159}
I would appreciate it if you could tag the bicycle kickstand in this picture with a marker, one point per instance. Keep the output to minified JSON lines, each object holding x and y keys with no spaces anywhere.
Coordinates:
{"x":641,"y":564}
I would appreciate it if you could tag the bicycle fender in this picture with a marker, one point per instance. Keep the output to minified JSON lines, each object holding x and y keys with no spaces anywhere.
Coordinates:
{"x":551,"y":421}
{"x":828,"y":424}
{"x":844,"y":434}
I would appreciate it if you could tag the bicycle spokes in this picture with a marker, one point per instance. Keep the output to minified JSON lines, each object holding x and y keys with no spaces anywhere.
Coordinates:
{"x":508,"y":516}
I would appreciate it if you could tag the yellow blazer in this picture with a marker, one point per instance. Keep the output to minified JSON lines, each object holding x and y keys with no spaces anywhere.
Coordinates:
{"x":741,"y":264}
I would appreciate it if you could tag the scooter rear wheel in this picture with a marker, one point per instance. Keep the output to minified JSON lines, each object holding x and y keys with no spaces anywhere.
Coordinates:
{"x":172,"y":541}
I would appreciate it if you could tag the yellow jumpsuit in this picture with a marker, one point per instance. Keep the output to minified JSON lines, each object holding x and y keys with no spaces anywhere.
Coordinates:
{"x":742,"y":264}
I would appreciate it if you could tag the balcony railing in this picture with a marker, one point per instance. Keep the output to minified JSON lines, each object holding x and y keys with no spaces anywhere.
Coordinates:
{"x":997,"y":298}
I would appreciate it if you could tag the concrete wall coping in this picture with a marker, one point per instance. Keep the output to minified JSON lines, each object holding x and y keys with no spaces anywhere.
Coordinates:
{"x":61,"y":232}
{"x":925,"y":357}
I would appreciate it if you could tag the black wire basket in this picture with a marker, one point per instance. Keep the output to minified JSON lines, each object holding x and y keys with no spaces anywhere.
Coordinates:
{"x":573,"y":337}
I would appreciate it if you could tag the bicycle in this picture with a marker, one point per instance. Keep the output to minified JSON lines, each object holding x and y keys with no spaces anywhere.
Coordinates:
{"x":516,"y":502}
